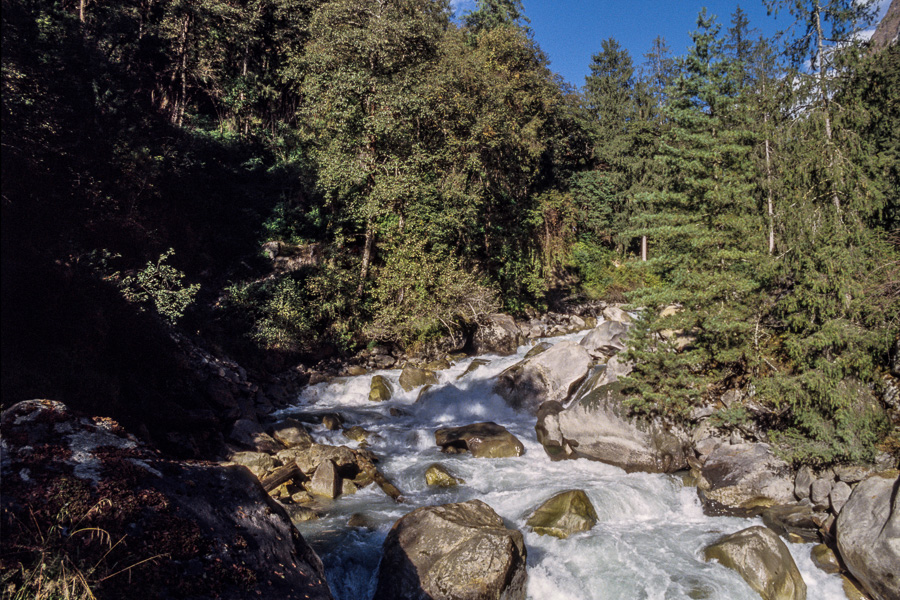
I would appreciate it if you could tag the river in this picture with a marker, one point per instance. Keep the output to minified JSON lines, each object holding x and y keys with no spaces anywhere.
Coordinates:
{"x":647,"y":544}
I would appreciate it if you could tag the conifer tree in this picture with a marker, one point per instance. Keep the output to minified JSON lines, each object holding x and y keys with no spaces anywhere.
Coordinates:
{"x":703,"y":222}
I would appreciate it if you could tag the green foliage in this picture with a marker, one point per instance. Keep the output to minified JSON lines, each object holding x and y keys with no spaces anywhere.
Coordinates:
{"x":162,"y":284}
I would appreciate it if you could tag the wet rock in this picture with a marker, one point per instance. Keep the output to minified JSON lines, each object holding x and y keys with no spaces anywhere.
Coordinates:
{"x":552,"y":375}
{"x":452,"y":551}
{"x":482,"y":440}
{"x":258,"y":463}
{"x":825,"y":558}
{"x":497,"y":334}
{"x":538,"y":349}
{"x":797,"y":520}
{"x":474,"y":366}
{"x":360,"y":521}
{"x":437,"y":365}
{"x":332,"y":422}
{"x":380,"y":389}
{"x":598,"y":426}
{"x":764,"y":562}
{"x":607,"y":338}
{"x":291,"y":433}
{"x":564,"y":514}
{"x":348,"y":488}
{"x":250,"y":434}
{"x":357,"y":434}
{"x":194,"y":517}
{"x":325,"y":481}
{"x":839,"y":495}
{"x":439,"y":476}
{"x":413,"y":377}
{"x":868,"y":534}
{"x":744,"y":479}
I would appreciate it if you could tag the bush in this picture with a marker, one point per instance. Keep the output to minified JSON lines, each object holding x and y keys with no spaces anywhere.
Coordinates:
{"x":161,"y":284}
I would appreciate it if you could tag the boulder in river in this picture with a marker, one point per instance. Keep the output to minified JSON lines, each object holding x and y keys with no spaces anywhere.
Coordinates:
{"x":380,"y":389}
{"x":439,"y":476}
{"x":454,"y":551}
{"x":497,"y":334}
{"x":482,"y":440}
{"x":412,"y":377}
{"x":744,"y":479}
{"x":180,"y":518}
{"x":763,"y":560}
{"x":564,"y":514}
{"x":552,"y":375}
{"x":598,"y":426}
{"x":868,"y":534}
{"x":291,"y":433}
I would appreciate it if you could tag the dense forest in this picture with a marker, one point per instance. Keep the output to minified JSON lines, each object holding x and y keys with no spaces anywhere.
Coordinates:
{"x":289,"y":179}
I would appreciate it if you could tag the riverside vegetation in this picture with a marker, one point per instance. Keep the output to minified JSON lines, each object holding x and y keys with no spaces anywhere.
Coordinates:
{"x":286,"y":181}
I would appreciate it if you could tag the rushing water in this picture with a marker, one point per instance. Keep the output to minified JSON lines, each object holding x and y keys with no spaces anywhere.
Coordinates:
{"x":647,"y":544}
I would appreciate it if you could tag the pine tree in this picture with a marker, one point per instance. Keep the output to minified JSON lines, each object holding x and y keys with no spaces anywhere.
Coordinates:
{"x":704,"y":224}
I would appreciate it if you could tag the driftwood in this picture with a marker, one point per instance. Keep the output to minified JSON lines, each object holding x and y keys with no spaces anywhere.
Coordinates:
{"x":280,"y":475}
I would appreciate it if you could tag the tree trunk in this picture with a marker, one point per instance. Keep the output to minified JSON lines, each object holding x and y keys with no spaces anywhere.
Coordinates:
{"x":823,"y":94}
{"x":644,"y":248}
{"x":367,"y":255}
{"x":771,"y":206}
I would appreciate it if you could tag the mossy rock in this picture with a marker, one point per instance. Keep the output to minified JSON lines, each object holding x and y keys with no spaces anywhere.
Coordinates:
{"x":564,"y":514}
{"x":436,"y":475}
{"x":473,"y":366}
{"x":380,"y":389}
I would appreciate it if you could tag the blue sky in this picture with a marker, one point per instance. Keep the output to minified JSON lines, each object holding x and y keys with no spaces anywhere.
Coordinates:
{"x":570,"y":31}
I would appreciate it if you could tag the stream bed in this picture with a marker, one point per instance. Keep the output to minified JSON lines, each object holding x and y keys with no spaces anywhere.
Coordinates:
{"x":649,"y":540}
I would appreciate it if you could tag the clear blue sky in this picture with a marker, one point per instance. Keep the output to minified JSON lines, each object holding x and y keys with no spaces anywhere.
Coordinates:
{"x":570,"y":31}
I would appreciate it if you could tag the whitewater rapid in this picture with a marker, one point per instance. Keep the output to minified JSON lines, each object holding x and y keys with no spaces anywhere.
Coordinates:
{"x":649,"y":540}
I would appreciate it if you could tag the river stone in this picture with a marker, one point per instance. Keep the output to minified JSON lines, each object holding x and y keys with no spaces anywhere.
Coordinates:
{"x":291,"y":433}
{"x":474,"y":366}
{"x":825,"y":558}
{"x":455,"y":551}
{"x":483,"y":440}
{"x":819,"y":491}
{"x":743,"y":479}
{"x":763,"y":560}
{"x":851,"y":473}
{"x":552,"y":375}
{"x":839,"y":495}
{"x":598,"y":426}
{"x":325,"y":481}
{"x":380,"y":389}
{"x":438,"y":476}
{"x":803,"y":482}
{"x":607,"y":338}
{"x":258,"y":463}
{"x":497,"y":334}
{"x":796,"y":520}
{"x":332,"y":422}
{"x":412,"y":377}
{"x":868,"y":534}
{"x":357,"y":434}
{"x":563,"y":514}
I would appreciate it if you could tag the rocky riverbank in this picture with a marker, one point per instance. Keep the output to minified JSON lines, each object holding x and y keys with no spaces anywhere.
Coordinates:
{"x":572,"y":388}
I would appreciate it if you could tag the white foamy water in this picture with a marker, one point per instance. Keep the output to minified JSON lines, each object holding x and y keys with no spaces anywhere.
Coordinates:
{"x":648,"y":543}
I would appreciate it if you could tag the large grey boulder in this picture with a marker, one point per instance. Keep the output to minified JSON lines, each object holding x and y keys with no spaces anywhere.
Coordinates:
{"x":763,"y":560}
{"x":564,"y":514}
{"x":412,"y":377}
{"x":744,"y":479}
{"x":552,"y":375}
{"x":868,"y":534}
{"x":451,"y":552}
{"x":607,"y":338}
{"x":598,"y":426}
{"x":482,"y":440}
{"x":497,"y":334}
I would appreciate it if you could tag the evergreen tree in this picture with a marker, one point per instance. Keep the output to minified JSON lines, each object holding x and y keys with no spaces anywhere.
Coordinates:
{"x":703,"y":224}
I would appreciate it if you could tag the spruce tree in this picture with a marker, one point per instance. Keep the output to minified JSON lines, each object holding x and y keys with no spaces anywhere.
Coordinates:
{"x":704,"y":224}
